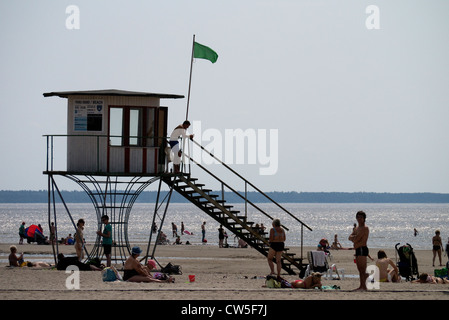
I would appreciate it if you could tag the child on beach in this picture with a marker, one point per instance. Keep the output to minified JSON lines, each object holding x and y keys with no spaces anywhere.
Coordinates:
{"x":79,"y":239}
{"x":14,"y":261}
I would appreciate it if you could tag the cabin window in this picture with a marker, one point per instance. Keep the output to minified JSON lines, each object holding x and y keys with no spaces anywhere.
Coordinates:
{"x":135,"y":133}
{"x":150,"y":128}
{"x":132,"y":126}
{"x":116,"y":126}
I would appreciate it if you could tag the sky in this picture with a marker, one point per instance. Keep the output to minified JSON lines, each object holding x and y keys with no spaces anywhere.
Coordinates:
{"x":348,"y":97}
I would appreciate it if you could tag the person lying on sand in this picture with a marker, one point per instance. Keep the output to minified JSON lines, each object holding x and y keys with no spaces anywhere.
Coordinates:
{"x":426,"y":278}
{"x":39,"y":264}
{"x":311,"y":282}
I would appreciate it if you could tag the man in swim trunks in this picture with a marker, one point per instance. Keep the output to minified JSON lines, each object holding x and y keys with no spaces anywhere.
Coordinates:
{"x":179,"y":131}
{"x":360,"y":238}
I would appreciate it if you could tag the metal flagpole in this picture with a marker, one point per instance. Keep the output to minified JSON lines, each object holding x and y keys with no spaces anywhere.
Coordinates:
{"x":190,"y":79}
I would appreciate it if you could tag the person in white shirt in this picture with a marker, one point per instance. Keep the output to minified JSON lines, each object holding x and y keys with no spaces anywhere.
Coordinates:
{"x":179,"y":131}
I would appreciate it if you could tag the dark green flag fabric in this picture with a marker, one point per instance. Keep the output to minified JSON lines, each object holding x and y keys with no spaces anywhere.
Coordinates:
{"x":202,"y":52}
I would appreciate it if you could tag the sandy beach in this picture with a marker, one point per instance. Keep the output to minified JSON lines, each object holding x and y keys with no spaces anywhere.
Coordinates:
{"x":220,"y":274}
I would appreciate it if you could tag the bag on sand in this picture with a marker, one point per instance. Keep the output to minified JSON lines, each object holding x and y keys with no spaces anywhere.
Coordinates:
{"x":108,"y":274}
{"x":172,"y":269}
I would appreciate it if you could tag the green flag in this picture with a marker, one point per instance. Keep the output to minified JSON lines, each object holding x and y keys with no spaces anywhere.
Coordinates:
{"x":203,"y":52}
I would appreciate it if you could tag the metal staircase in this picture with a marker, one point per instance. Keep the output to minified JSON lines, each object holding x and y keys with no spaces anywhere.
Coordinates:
{"x":217,"y":207}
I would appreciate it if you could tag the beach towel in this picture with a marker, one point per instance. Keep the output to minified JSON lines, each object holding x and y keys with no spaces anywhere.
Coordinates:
{"x":334,"y":287}
{"x":319,"y":258}
{"x":272,"y":283}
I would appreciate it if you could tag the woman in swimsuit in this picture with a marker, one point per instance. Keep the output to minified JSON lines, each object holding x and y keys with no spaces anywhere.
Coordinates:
{"x":437,"y":247}
{"x":426,"y":278}
{"x":385,"y":273}
{"x":133,"y":271}
{"x":277,"y":238}
{"x":311,"y":282}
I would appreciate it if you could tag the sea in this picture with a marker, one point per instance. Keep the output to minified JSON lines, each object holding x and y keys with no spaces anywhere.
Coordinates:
{"x":389,"y":223}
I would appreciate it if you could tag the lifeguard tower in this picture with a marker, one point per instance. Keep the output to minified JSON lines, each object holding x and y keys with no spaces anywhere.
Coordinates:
{"x":115,"y":148}
{"x":116,"y":144}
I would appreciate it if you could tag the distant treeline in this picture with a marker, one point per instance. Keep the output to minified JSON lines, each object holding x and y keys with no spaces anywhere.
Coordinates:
{"x":41,"y":196}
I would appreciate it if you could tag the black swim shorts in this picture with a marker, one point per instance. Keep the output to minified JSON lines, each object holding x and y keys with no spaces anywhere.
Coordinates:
{"x":362,"y":251}
{"x":277,"y":246}
{"x":107,"y":248}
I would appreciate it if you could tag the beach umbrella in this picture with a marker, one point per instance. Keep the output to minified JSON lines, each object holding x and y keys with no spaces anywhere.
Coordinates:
{"x":31,"y":231}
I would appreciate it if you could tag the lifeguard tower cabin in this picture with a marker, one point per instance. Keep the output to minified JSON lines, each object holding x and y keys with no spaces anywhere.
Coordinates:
{"x":115,"y":131}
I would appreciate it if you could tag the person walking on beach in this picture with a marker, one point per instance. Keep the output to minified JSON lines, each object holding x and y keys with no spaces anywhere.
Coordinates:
{"x":179,"y":131}
{"x":277,"y":239}
{"x":174,"y":229}
{"x":360,"y":238}
{"x":22,"y":232}
{"x":107,"y":239}
{"x":437,"y":247}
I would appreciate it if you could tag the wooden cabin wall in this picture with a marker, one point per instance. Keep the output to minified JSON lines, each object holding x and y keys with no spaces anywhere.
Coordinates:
{"x":90,"y":154}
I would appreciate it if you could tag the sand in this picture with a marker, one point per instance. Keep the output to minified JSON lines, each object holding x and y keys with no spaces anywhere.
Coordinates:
{"x":220,"y":274}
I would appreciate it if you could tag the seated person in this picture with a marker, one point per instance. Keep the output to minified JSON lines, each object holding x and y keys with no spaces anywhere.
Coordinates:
{"x":323,"y":245}
{"x":69,"y":240}
{"x":133,"y":271}
{"x":311,"y":282}
{"x":14,"y":261}
{"x":242,"y":243}
{"x":386,"y":274}
{"x":178,"y":240}
{"x":64,"y":262}
{"x":336,"y":244}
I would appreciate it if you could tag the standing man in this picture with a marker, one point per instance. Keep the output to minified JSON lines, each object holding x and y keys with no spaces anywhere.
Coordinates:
{"x":107,"y":239}
{"x":360,"y":238}
{"x":179,"y":131}
{"x":203,"y":232}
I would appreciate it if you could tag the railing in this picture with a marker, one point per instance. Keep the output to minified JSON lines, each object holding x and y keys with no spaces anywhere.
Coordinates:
{"x":101,"y":144}
{"x":187,"y":169}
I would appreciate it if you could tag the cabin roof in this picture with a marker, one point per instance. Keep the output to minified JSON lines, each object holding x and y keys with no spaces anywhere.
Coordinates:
{"x":112,"y":92}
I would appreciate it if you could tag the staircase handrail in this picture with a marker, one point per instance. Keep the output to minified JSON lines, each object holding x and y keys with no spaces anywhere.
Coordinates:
{"x":246,"y":181}
{"x":233,"y":190}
